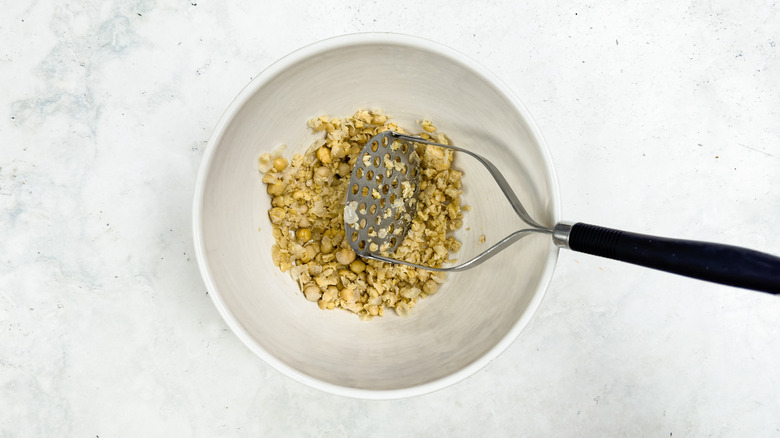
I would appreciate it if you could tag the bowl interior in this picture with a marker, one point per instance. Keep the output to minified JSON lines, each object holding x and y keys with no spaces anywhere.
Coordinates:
{"x":474,"y":315}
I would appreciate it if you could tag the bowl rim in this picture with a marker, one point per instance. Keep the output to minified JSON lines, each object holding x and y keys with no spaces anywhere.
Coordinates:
{"x":279,"y":66}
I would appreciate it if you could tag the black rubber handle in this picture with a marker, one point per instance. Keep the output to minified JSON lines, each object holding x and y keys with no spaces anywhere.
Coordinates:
{"x":724,"y":264}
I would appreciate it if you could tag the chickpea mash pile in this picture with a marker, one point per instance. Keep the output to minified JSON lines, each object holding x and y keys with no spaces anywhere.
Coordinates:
{"x":307,"y":207}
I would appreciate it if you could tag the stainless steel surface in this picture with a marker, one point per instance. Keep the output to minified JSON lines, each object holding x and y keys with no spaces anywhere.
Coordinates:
{"x":382,"y":195}
{"x":561,"y":233}
{"x":364,"y":223}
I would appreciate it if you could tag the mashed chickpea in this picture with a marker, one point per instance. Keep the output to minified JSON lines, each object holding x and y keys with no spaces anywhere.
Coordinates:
{"x":307,"y":212}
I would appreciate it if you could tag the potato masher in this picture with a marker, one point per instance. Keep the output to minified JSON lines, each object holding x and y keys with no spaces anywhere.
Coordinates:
{"x":382,"y":200}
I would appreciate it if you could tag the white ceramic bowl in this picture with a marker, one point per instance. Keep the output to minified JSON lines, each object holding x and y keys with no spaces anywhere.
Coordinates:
{"x":475,"y":315}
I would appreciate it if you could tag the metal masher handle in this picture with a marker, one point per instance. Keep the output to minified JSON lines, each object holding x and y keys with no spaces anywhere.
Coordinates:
{"x":715,"y":262}
{"x":494,"y":172}
{"x":718,"y":263}
{"x":533,"y":226}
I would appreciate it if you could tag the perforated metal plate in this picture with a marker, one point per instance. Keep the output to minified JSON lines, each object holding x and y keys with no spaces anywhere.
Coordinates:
{"x":382,"y":195}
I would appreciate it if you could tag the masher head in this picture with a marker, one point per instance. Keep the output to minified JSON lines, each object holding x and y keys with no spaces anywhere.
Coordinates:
{"x":382,"y":195}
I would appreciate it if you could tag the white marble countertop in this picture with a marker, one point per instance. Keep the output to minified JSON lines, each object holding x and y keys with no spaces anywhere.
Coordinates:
{"x":661,"y":118}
